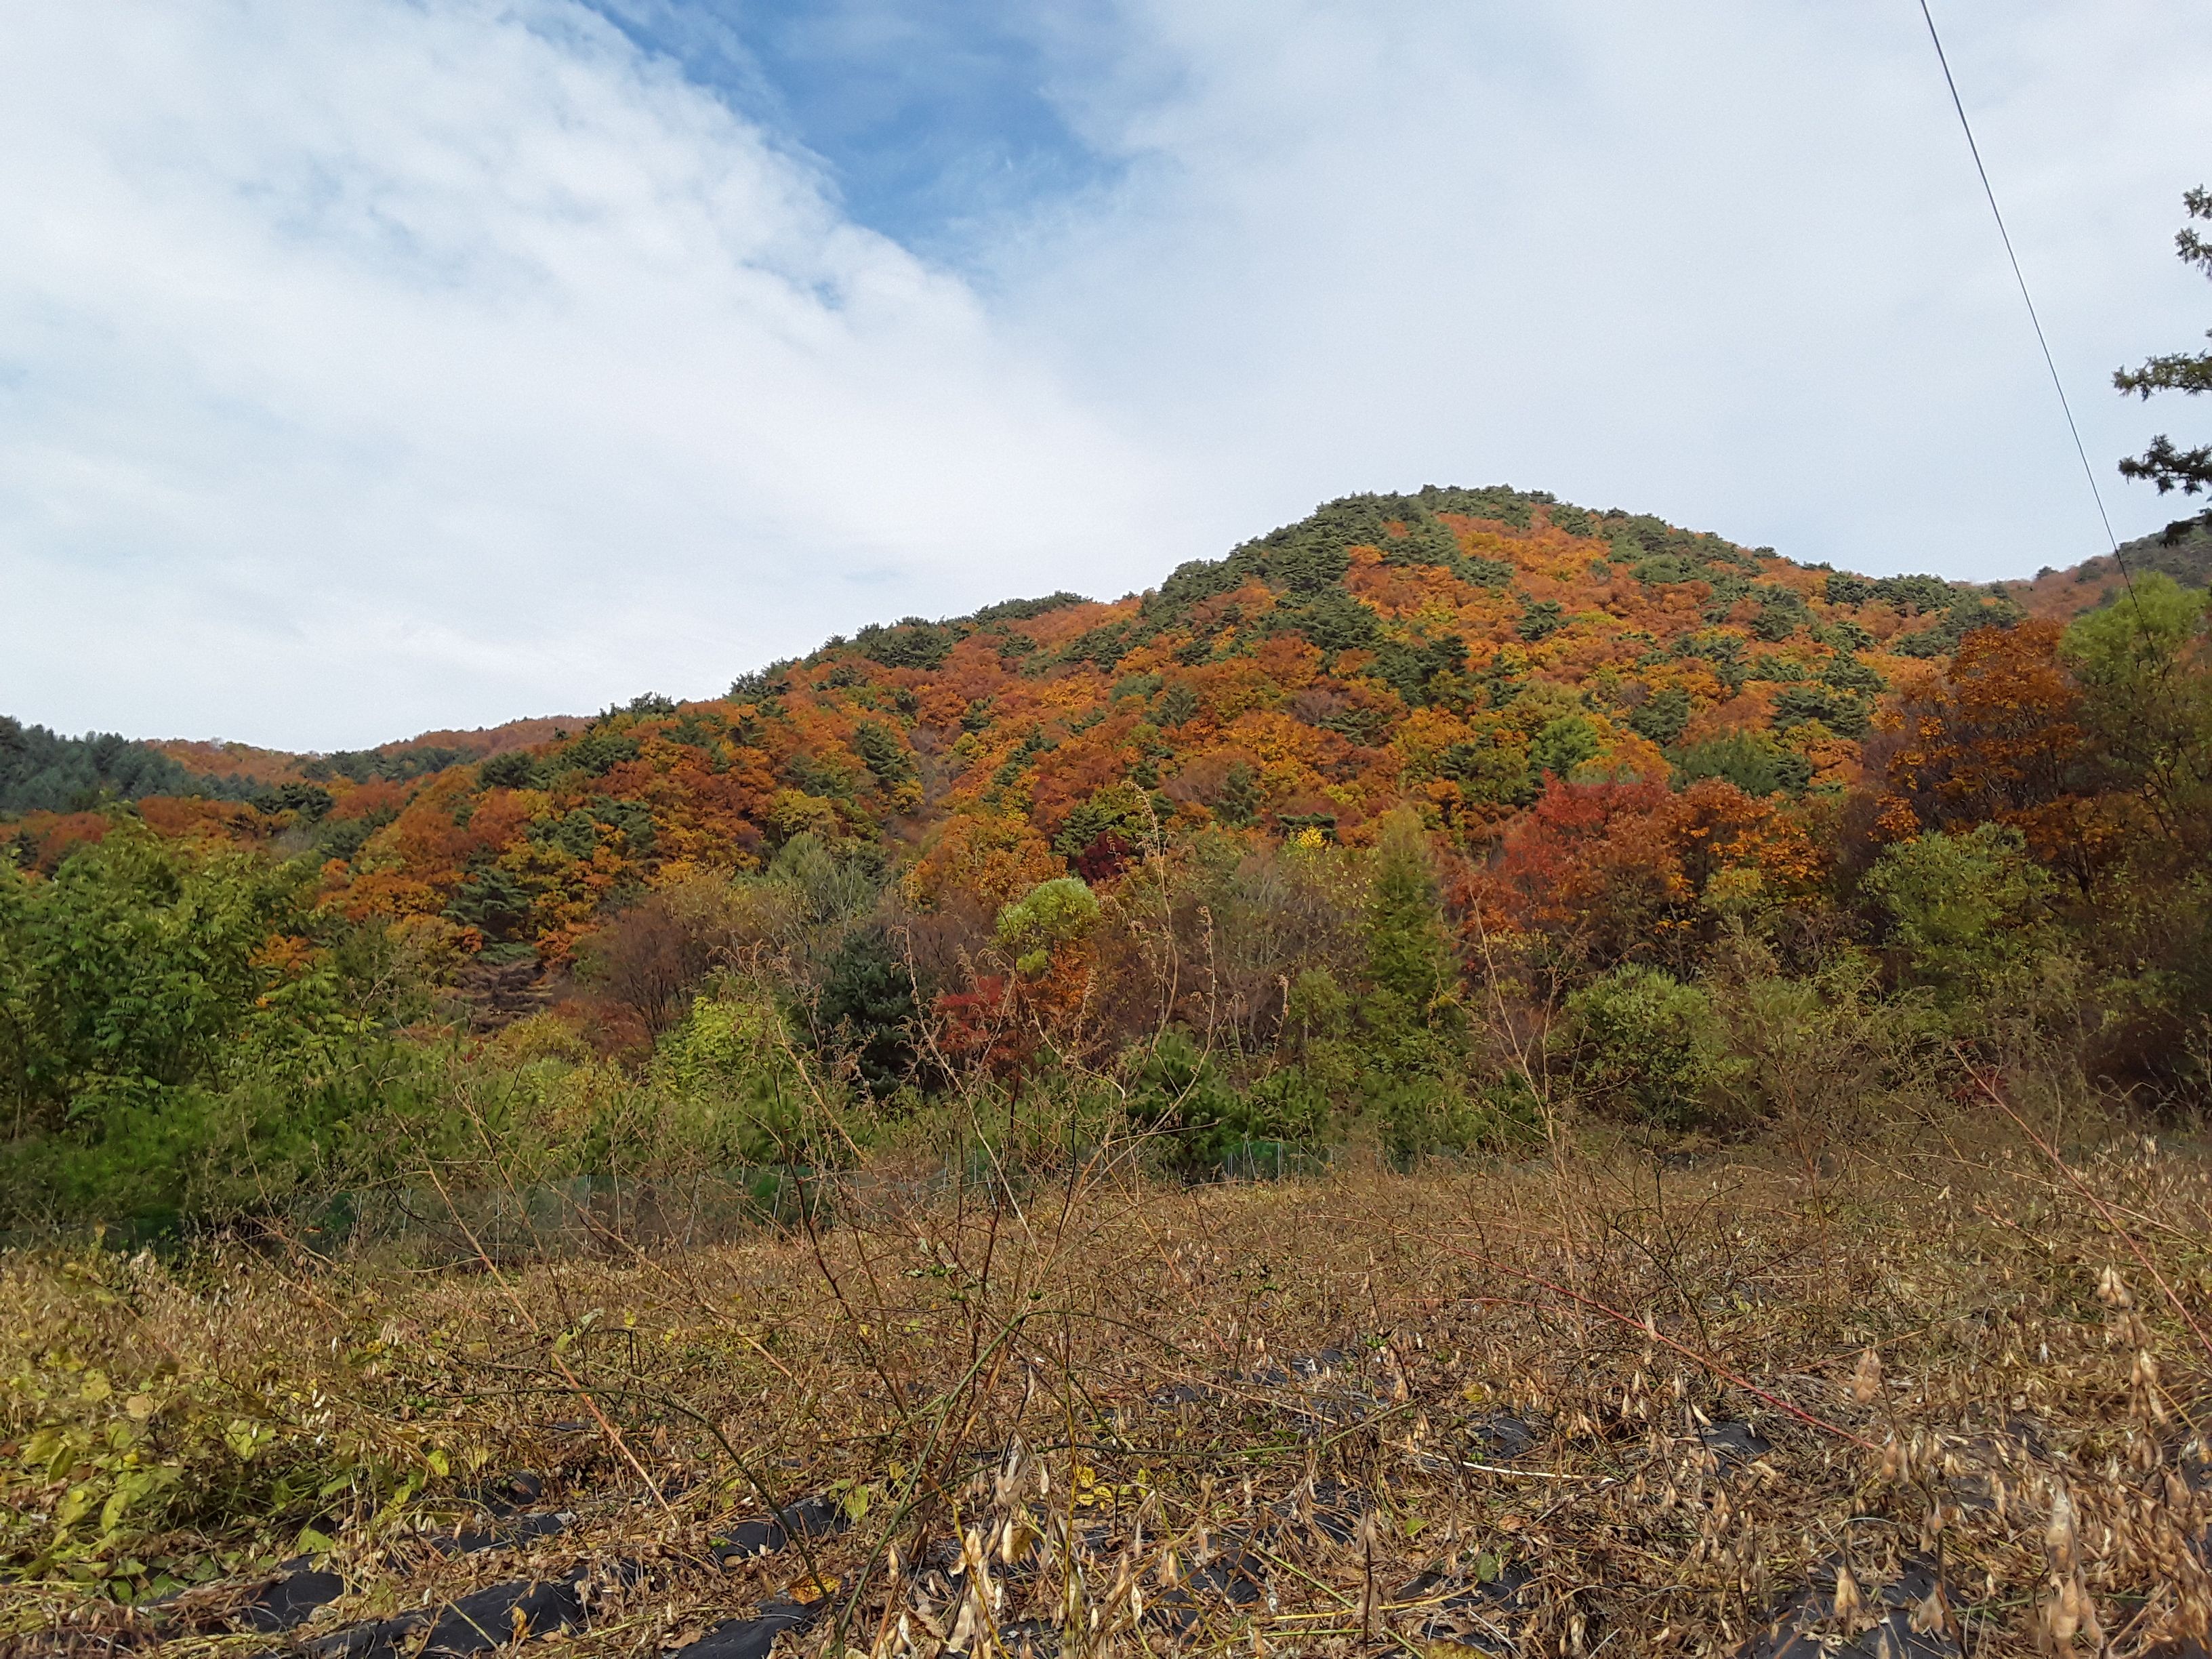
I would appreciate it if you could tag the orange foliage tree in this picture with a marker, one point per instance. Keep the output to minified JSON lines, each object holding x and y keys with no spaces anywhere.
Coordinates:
{"x":1999,"y":739}
{"x":1605,"y":873}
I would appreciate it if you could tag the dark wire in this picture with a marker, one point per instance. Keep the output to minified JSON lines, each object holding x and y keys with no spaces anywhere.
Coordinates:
{"x":2021,"y":276}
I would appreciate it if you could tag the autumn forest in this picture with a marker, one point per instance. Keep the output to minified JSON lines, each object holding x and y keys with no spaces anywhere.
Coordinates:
{"x":1414,"y":825}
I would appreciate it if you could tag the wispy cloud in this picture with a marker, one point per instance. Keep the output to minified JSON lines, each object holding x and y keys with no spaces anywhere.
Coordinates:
{"x":379,"y":365}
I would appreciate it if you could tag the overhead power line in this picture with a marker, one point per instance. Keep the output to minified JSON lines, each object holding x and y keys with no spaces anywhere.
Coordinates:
{"x":2058,"y":383}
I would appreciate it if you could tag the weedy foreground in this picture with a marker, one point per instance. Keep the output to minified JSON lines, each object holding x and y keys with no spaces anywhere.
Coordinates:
{"x":1940,"y":1396}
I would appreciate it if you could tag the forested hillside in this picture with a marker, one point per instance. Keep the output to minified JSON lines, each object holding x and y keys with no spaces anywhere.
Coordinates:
{"x":1451,"y":649}
{"x":41,"y":771}
{"x":1283,"y":823}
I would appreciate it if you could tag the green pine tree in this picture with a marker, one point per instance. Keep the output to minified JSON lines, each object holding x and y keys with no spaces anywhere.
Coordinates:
{"x":1412,"y":985}
{"x":1239,"y":805}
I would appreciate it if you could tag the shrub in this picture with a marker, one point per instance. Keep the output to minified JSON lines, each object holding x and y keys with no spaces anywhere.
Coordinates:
{"x":739,"y":1096}
{"x":1649,"y":1046}
{"x":1409,"y":964}
{"x":1961,"y":909}
{"x":173,"y":1036}
{"x":1176,"y":1087}
{"x":867,"y":1009}
{"x":146,"y":966}
{"x":2145,"y":667}
{"x":1181,"y":1090}
{"x":650,"y":959}
{"x":1050,"y":914}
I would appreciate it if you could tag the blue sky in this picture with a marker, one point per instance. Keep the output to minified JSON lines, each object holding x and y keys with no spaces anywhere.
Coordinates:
{"x":372,"y":365}
{"x":934,"y":123}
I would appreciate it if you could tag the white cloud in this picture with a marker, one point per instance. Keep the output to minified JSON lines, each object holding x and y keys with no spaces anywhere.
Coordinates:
{"x":375,"y":365}
{"x":372,"y":366}
{"x":1726,"y":262}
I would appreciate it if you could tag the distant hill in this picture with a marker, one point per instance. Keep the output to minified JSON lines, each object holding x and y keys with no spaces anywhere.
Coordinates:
{"x":428,"y":751}
{"x":42,"y":771}
{"x":2063,"y":594}
{"x":1449,"y":649}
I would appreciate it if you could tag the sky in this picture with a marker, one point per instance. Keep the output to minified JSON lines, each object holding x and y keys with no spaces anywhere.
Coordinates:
{"x":369,"y":366}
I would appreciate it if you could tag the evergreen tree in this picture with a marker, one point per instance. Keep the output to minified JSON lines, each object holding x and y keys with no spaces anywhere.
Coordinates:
{"x":1239,"y":805}
{"x":2188,"y":471}
{"x":1409,"y":961}
{"x":868,"y":1009}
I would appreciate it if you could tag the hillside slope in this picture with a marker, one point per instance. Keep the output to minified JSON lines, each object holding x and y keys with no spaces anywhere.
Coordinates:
{"x":1449,"y":649}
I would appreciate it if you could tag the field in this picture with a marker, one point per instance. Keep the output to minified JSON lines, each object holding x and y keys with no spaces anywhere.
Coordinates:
{"x":1936,"y":1389}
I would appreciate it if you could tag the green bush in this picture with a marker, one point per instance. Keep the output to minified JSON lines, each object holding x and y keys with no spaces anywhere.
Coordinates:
{"x":2145,"y":667}
{"x":1649,"y":1047}
{"x":730,"y":1092}
{"x":1050,"y":914}
{"x":142,"y":967}
{"x":1176,"y":1088}
{"x":867,"y":1009}
{"x":1413,"y":983}
{"x":1961,"y":909}
{"x":1184,"y":1093}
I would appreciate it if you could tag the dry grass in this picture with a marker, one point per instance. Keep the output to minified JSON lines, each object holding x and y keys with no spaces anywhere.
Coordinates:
{"x":1079,"y":1386}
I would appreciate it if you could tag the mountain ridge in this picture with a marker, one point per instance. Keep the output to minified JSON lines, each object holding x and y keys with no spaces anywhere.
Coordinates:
{"x":2052,"y":592}
{"x":1448,"y":649}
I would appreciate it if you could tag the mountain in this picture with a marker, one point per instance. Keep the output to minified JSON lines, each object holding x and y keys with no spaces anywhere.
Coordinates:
{"x":1450,"y":649}
{"x":1407,"y":825}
